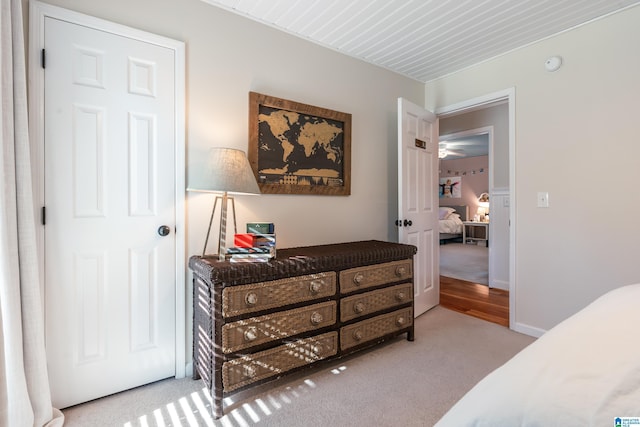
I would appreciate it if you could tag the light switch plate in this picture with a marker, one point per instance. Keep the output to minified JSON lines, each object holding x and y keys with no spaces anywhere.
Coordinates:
{"x":543,"y":199}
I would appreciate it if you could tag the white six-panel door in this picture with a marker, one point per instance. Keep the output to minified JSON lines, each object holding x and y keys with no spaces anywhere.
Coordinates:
{"x":109,"y":187}
{"x":417,"y":198}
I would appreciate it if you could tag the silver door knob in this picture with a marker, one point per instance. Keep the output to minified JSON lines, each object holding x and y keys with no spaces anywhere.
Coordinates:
{"x":164,"y":230}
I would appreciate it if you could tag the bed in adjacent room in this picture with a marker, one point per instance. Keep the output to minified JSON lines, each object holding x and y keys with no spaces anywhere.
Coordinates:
{"x":583,"y":372}
{"x":450,"y":222}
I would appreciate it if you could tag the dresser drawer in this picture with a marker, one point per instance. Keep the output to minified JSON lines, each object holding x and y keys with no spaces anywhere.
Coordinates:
{"x":363,"y":304}
{"x":275,"y":361}
{"x":271,"y":327}
{"x":243,"y":299}
{"x":376,"y":327}
{"x":368,"y":276}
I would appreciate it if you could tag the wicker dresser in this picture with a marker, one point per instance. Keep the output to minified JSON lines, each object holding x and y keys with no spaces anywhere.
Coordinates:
{"x":255,"y":322}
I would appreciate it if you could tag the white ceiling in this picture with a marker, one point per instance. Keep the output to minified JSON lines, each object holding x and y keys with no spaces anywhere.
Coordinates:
{"x":423,"y":39}
{"x":468,"y":146}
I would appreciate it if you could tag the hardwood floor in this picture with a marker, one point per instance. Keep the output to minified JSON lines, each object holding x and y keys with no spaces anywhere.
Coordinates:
{"x":476,"y":300}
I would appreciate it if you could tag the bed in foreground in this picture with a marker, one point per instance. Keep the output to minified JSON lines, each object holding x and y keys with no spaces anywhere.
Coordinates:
{"x":583,"y":372}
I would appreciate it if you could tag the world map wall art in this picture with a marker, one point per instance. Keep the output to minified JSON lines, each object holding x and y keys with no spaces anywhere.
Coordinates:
{"x":297,"y":148}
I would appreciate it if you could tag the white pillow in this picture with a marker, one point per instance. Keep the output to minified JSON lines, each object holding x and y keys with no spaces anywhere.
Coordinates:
{"x":455,"y":218}
{"x":444,"y":212}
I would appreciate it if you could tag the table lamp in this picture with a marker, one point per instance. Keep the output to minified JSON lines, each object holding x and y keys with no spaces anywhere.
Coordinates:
{"x":483,"y":203}
{"x":226,"y":171}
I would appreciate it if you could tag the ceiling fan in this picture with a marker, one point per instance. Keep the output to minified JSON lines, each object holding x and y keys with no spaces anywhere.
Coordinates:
{"x":446,"y":150}
{"x":467,"y":146}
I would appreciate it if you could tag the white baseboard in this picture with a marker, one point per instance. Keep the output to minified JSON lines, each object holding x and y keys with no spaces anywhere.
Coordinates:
{"x":500,"y":284}
{"x":528,"y":330}
{"x":189,"y":369}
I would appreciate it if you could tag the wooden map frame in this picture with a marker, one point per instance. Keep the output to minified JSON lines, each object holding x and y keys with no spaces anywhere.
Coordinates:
{"x":256,"y":100}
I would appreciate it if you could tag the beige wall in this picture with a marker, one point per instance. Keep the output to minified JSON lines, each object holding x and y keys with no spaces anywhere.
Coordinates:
{"x":577,"y":138}
{"x":227,"y":56}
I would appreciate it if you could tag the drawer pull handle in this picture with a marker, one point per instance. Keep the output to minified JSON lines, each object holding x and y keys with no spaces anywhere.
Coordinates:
{"x":400,"y":321}
{"x":250,"y":371}
{"x":315,"y":286}
{"x":400,"y":296}
{"x":358,"y":278}
{"x":357,"y":335}
{"x":251,"y":298}
{"x":316,"y":318}
{"x":401,"y":271}
{"x":359,"y":307}
{"x":317,"y":349}
{"x":251,"y":334}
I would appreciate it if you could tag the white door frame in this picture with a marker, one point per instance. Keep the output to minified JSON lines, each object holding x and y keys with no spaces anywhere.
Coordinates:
{"x":508,"y":95}
{"x":38,"y":11}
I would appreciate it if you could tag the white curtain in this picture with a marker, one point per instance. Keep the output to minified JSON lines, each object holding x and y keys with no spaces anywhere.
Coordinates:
{"x":25,"y":399}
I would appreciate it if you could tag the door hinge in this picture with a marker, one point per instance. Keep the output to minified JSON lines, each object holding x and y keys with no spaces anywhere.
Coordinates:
{"x":43,"y":215}
{"x":43,"y":59}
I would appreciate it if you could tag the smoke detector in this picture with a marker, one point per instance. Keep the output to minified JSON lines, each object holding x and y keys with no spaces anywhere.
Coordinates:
{"x":553,"y":64}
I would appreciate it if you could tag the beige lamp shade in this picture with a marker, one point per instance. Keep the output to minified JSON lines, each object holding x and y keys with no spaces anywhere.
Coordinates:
{"x":226,"y":170}
{"x":483,"y":200}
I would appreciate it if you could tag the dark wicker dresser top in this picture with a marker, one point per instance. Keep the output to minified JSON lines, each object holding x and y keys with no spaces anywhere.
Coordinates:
{"x":298,"y":261}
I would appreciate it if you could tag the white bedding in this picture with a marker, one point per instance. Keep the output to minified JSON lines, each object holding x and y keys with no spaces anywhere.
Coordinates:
{"x":451,"y":225}
{"x":583,"y":372}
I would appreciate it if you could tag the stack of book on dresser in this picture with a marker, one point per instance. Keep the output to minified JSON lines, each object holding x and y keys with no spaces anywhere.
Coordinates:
{"x":258,"y":244}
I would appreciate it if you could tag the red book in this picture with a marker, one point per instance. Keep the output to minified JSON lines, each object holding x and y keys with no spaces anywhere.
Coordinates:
{"x":244,"y":240}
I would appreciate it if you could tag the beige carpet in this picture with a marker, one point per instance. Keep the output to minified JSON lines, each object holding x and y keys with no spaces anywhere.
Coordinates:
{"x":465,"y":262}
{"x":399,"y":384}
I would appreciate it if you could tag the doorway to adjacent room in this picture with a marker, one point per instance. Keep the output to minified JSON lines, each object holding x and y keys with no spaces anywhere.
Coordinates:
{"x":493,"y":110}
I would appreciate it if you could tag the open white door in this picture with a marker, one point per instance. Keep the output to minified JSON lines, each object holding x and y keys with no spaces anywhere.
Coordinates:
{"x":417,"y":198}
